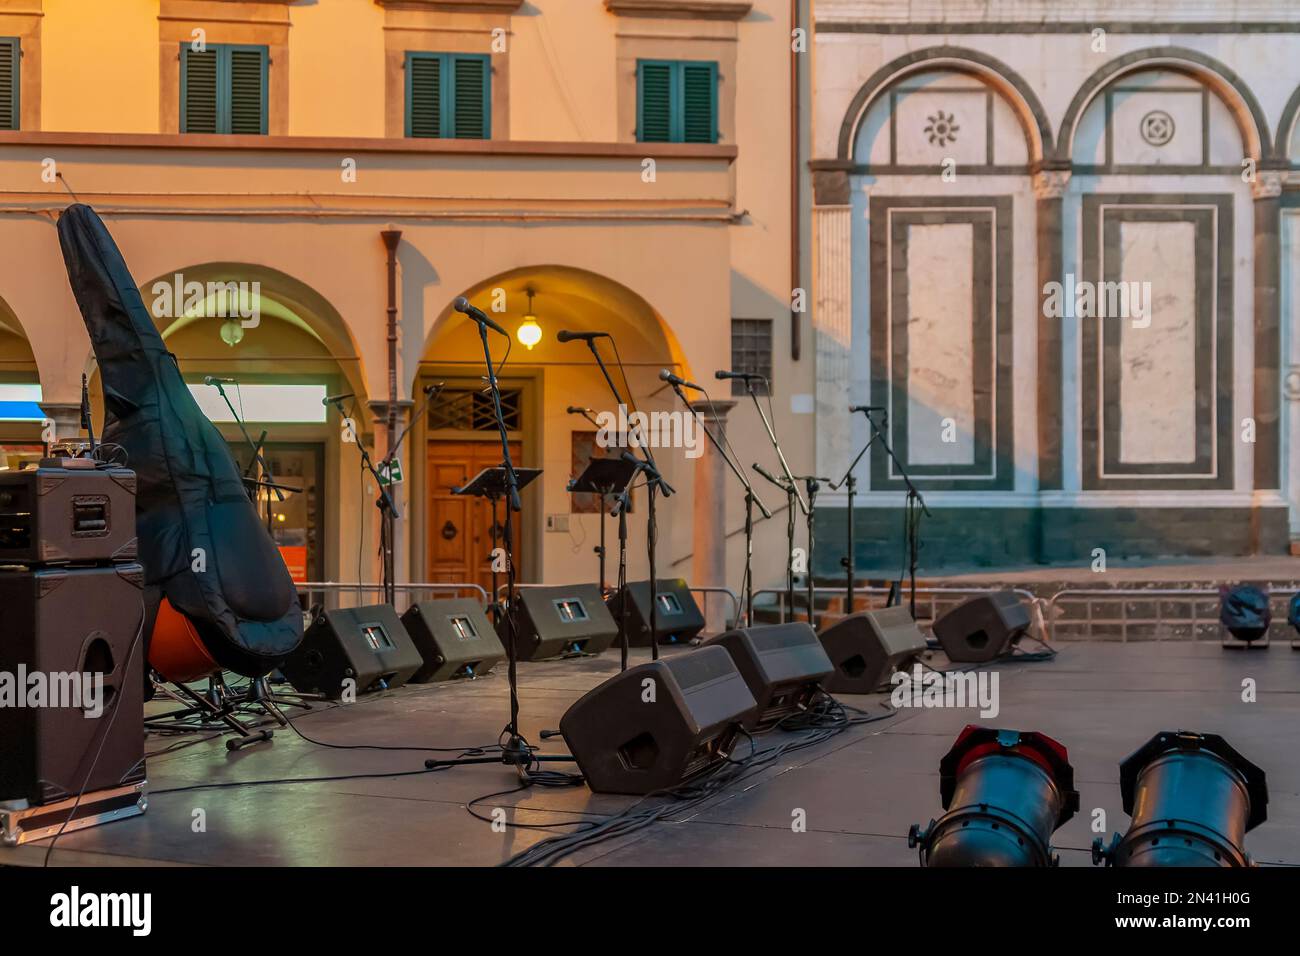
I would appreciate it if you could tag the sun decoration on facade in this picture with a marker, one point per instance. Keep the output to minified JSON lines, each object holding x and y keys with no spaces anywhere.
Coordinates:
{"x":1157,"y":128}
{"x":941,"y":129}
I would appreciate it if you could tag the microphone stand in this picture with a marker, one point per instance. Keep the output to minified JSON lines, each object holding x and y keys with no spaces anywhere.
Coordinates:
{"x":812,"y":484}
{"x":600,"y":549}
{"x":847,"y":562}
{"x":654,"y":484}
{"x":913,"y":508}
{"x":790,"y":485}
{"x":791,"y":490}
{"x":751,"y":499}
{"x":515,"y":752}
{"x":387,"y":513}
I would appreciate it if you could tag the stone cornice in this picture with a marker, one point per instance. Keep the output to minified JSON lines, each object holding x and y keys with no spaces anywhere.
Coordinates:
{"x":681,"y":9}
{"x":455,"y":6}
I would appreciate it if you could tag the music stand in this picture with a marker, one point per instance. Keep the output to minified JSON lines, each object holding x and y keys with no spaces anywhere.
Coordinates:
{"x":493,"y":484}
{"x":604,"y":477}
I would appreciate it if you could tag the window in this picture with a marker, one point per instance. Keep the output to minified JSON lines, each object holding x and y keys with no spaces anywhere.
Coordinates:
{"x":223,"y":89}
{"x":10,"y":54}
{"x":751,"y":351}
{"x":676,"y":101}
{"x":471,"y":410}
{"x":448,"y":96}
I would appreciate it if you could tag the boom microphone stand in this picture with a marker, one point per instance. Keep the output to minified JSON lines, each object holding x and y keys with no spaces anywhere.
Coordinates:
{"x":654,"y":480}
{"x":791,"y":490}
{"x":751,"y":496}
{"x":812,"y":485}
{"x":384,"y":502}
{"x":515,"y":752}
{"x":913,"y":508}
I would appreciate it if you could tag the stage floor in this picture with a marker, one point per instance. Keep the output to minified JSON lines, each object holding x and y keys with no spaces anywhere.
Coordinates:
{"x":860,"y":790}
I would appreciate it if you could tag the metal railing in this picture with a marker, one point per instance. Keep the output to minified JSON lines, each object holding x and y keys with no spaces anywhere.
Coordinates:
{"x":341,"y":594}
{"x":931,"y":601}
{"x":1149,"y":614}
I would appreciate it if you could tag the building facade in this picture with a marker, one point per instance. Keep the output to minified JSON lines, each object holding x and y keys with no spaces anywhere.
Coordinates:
{"x":1058,"y":243}
{"x":620,"y":166}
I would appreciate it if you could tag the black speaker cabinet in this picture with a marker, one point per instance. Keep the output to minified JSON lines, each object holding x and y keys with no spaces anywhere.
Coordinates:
{"x":454,"y":637}
{"x":59,"y":625}
{"x":67,"y":510}
{"x":569,"y":619}
{"x":677,"y":619}
{"x":659,"y":724}
{"x":867,"y":647}
{"x":367,"y":645}
{"x":982,"y":628}
{"x":782,"y":664}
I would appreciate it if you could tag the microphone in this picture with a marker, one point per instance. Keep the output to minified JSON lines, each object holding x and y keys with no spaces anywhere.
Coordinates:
{"x":335,"y":399}
{"x":564,"y":335}
{"x":723,"y":374}
{"x":430,"y":389}
{"x":462,"y":305}
{"x":672,"y":379}
{"x":577,"y":410}
{"x":213,"y":380}
{"x":867,"y":408}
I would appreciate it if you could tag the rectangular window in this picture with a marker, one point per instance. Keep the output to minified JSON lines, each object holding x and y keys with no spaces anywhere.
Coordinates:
{"x":677,"y":101}
{"x":10,"y":55}
{"x":751,"y":351}
{"x":223,"y":89}
{"x":448,"y":95}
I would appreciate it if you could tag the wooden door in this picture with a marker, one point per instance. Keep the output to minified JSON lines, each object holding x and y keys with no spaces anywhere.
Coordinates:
{"x":460,"y":528}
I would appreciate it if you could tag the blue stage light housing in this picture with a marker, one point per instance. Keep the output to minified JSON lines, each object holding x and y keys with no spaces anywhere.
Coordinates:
{"x":1006,"y":792}
{"x":1192,"y":798}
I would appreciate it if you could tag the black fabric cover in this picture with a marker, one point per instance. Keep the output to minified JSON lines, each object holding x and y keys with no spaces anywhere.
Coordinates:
{"x":1244,"y":611}
{"x":191,"y":494}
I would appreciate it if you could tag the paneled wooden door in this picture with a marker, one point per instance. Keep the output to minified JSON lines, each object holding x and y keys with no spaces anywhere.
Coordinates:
{"x":460,"y":527}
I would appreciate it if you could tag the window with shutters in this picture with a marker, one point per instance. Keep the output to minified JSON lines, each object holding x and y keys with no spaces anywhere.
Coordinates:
{"x":10,"y":54}
{"x":751,"y":351}
{"x":223,"y":89}
{"x":449,"y":95}
{"x":677,"y":101}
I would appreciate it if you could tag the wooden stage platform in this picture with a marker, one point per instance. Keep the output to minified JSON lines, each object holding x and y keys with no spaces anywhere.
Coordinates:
{"x":860,"y":790}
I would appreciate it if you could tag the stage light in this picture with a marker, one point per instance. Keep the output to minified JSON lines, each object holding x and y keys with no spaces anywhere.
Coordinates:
{"x":1192,"y":798}
{"x":1005,"y":791}
{"x":530,"y":333}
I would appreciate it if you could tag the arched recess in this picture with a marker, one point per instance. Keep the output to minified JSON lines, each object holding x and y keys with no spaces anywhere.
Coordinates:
{"x":20,"y":421}
{"x":457,"y":437}
{"x":1286,"y":127}
{"x":991,"y":71}
{"x":17,"y":361}
{"x":1230,"y":88}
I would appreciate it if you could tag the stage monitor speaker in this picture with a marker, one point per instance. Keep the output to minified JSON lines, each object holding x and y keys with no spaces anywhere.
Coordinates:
{"x":367,"y":645}
{"x":562,"y":620}
{"x":677,"y":620}
{"x":659,"y":724}
{"x":66,"y":625}
{"x":454,"y":637}
{"x":67,"y":510}
{"x":982,"y":628}
{"x":868,"y":646}
{"x":783,"y":664}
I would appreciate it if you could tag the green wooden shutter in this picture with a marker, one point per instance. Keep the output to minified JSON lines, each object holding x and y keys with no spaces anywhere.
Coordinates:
{"x":247,"y":112}
{"x":699,"y":103}
{"x":654,"y":102}
{"x":198,"y":90}
{"x":423,"y":95}
{"x":10,"y":55}
{"x":471,"y":106}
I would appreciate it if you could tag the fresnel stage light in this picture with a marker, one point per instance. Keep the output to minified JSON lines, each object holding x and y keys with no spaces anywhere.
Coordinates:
{"x":1006,"y":792}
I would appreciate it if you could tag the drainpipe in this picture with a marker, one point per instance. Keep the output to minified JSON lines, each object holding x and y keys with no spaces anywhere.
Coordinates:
{"x":391,"y":238}
{"x":796,"y":326}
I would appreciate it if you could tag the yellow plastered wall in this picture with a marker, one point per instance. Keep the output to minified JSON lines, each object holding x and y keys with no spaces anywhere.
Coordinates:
{"x":336,"y":70}
{"x":99,"y":66}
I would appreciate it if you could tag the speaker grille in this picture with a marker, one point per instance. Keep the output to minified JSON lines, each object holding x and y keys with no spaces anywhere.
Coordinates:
{"x":777,"y":638}
{"x":700,"y":667}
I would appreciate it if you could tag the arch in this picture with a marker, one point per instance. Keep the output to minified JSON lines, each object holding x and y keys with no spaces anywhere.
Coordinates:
{"x":1012,"y":87}
{"x":1230,"y":88}
{"x":284,"y":298}
{"x":16,"y":355}
{"x":568,"y":297}
{"x":1286,"y":126}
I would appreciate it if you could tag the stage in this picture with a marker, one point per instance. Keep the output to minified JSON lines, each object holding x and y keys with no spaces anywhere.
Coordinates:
{"x":860,"y":790}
